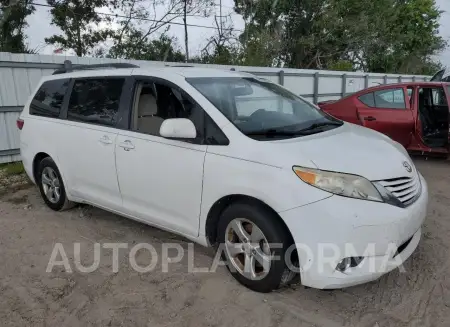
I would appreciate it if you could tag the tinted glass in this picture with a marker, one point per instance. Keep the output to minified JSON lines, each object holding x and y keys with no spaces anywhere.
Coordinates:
{"x":368,"y":99}
{"x":156,"y":102}
{"x":410,"y":96}
{"x":439,"y":96}
{"x":390,"y":99}
{"x":438,"y":76}
{"x":96,"y":100}
{"x":49,"y":98}
{"x":261,"y":109}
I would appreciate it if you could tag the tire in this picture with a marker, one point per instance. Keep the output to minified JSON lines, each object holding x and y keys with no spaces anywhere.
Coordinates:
{"x":47,"y":168}
{"x":246,"y":214}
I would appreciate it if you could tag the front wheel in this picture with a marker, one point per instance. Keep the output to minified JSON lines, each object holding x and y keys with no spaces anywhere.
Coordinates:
{"x":51,"y":185}
{"x":254,"y":245}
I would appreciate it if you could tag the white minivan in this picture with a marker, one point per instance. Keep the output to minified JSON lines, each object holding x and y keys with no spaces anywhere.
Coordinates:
{"x":231,"y":160}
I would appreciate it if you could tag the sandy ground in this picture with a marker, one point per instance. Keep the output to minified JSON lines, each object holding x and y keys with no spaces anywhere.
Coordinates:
{"x":31,"y":297}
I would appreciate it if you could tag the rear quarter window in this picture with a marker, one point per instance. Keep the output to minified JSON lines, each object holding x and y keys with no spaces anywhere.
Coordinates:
{"x":48,"y":100}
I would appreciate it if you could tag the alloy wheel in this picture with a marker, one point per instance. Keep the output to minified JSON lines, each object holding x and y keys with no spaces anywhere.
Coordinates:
{"x":51,"y":184}
{"x":247,"y":249}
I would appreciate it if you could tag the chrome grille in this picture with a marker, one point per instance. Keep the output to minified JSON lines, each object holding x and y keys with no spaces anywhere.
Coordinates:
{"x":406,"y":189}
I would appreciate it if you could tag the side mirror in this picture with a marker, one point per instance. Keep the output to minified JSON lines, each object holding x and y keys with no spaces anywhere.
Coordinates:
{"x":179,"y":128}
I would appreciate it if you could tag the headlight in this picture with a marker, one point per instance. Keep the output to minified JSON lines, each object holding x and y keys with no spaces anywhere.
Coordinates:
{"x":338,"y":183}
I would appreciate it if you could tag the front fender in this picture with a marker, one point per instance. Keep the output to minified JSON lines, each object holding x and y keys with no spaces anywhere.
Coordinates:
{"x":277,"y":187}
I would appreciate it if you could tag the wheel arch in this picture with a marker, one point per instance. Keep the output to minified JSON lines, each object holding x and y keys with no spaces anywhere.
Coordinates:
{"x":42,"y":155}
{"x":36,"y":160}
{"x":219,"y":206}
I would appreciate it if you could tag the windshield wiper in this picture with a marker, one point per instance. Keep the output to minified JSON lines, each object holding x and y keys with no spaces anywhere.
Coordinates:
{"x":318,"y":125}
{"x":274,"y":133}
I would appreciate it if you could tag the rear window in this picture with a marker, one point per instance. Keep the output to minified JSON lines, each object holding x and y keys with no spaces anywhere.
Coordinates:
{"x":95,"y":101}
{"x":49,"y":98}
{"x":385,"y":99}
{"x":368,"y":99}
{"x":390,"y":99}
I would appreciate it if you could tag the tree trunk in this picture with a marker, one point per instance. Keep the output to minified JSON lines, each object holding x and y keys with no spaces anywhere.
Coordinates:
{"x":186,"y":38}
{"x":79,"y":46}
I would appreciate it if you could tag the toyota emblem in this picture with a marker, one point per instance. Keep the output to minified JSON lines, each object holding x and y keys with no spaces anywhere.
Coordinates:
{"x":407,"y":166}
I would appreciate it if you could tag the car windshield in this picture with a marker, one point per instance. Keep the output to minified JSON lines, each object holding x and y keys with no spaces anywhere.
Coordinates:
{"x":262,"y":109}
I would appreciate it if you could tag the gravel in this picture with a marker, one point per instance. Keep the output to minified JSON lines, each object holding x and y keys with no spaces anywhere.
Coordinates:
{"x":32,"y":297}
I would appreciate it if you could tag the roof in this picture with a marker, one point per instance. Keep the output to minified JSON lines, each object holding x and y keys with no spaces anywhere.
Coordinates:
{"x":382,"y":86}
{"x":185,"y":72}
{"x":91,"y":73}
{"x":197,"y":71}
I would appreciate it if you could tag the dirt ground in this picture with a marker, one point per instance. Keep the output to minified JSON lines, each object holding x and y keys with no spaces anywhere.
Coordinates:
{"x":29,"y":296}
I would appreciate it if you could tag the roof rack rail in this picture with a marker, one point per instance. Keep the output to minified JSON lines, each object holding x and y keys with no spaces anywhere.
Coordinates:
{"x":179,"y":65}
{"x":69,"y":67}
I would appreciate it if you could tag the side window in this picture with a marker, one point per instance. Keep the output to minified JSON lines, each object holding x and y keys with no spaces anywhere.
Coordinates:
{"x":410,"y":96}
{"x":95,"y":101}
{"x":390,"y":99}
{"x":156,"y":102}
{"x":439,"y":97}
{"x":49,"y":98}
{"x":368,"y":99}
{"x":431,"y":101}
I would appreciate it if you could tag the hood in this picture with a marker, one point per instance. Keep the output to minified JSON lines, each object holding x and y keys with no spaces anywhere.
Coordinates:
{"x":349,"y":149}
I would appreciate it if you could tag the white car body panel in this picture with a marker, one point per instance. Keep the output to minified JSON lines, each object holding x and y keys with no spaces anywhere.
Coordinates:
{"x":157,"y":188}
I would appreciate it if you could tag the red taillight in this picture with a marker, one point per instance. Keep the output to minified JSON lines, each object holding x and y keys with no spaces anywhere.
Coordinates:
{"x":20,"y":123}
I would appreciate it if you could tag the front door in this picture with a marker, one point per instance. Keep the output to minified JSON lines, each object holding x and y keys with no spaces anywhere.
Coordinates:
{"x":161,"y":179}
{"x":433,"y":112}
{"x":388,"y":111}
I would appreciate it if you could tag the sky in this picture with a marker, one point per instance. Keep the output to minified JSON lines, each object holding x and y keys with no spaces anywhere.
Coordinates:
{"x":40,"y":28}
{"x":445,"y":28}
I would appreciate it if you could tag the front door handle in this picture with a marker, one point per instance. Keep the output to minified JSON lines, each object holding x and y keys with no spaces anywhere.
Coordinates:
{"x":370,"y":118}
{"x":105,"y":140}
{"x":126,"y":145}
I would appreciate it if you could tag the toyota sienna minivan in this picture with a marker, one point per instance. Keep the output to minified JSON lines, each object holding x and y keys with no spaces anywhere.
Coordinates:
{"x":227,"y":159}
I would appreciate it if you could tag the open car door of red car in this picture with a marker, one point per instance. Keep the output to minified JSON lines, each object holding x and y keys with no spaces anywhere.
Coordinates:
{"x":388,"y":111}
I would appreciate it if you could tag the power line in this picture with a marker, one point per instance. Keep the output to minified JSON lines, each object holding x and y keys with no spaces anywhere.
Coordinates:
{"x":144,"y":19}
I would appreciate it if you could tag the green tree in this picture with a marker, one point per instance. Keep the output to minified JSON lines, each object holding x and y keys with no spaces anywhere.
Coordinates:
{"x":383,"y":36}
{"x":222,"y":47}
{"x":80,"y":25}
{"x":141,"y":21}
{"x":413,"y":41}
{"x":164,"y":48}
{"x":13,"y":16}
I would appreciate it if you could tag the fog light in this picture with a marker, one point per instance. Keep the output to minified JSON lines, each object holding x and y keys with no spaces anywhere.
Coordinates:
{"x":349,"y":262}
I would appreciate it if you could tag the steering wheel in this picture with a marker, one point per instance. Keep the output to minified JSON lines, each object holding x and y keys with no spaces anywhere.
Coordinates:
{"x":256,"y":114}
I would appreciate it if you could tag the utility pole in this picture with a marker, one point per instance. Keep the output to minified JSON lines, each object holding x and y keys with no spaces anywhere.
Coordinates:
{"x":186,"y":40}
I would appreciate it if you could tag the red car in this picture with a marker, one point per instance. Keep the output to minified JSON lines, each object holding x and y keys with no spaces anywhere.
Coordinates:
{"x":413,"y":114}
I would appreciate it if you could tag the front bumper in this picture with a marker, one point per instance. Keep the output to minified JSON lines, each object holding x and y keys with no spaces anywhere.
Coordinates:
{"x":327,"y":231}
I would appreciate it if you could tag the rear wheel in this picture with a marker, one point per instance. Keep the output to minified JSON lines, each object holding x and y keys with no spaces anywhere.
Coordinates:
{"x":51,"y":185}
{"x":254,"y":245}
